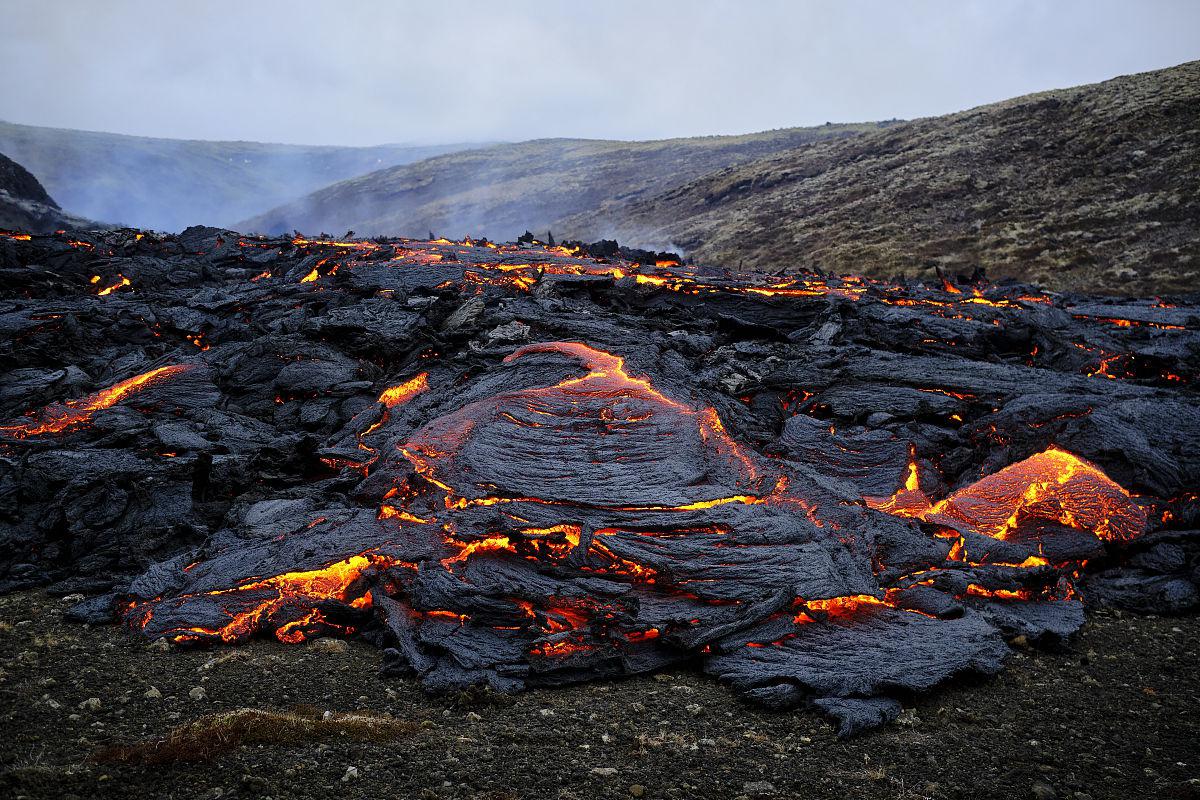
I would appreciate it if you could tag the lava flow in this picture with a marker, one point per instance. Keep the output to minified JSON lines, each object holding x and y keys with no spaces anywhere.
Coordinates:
{"x":60,"y":417}
{"x":523,"y":465}
{"x":596,"y":439}
{"x":403,"y":392}
{"x":1051,"y":486}
{"x":287,"y":603}
{"x":601,"y":475}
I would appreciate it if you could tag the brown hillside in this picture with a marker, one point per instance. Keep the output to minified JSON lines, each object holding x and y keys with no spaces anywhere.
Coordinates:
{"x":503,"y":190}
{"x":1094,"y":187}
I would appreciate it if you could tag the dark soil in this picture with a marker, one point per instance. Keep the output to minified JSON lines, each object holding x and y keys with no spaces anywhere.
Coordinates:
{"x":1114,"y":714}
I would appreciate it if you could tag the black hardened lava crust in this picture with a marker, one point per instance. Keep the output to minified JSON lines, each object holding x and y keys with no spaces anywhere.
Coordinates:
{"x":524,"y":466}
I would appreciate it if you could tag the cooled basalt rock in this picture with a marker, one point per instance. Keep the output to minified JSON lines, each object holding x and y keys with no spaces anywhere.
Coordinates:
{"x":522,"y":466}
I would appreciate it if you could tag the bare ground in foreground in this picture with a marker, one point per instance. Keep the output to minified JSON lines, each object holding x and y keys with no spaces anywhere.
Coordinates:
{"x":1113,"y":714}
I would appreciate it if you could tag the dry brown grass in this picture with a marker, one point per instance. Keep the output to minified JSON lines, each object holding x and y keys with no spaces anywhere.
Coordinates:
{"x":213,"y":734}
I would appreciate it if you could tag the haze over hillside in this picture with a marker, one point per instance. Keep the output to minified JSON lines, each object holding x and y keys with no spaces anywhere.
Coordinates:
{"x":1091,"y":188}
{"x":503,"y":190}
{"x":169,"y":184}
{"x":25,"y":204}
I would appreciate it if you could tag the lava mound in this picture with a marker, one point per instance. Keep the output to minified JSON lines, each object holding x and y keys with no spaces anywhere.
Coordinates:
{"x":521,"y":466}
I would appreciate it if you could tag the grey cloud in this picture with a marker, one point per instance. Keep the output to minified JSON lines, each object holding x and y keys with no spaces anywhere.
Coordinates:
{"x":369,"y":72}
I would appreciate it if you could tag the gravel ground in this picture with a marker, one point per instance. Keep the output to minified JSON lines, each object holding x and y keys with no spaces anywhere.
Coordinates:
{"x":1114,"y":714}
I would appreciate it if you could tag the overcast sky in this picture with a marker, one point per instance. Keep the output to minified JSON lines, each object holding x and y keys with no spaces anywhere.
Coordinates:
{"x":368,"y":71}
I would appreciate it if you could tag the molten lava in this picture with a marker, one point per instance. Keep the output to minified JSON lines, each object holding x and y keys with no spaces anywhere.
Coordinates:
{"x":107,"y":290}
{"x":625,"y":416}
{"x":403,"y":392}
{"x":58,"y":418}
{"x":1052,"y":486}
{"x":283,"y":602}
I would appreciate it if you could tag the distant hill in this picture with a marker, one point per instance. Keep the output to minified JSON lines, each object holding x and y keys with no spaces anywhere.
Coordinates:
{"x":25,"y":205}
{"x":169,"y":184}
{"x":1095,"y":187}
{"x":501,"y":191}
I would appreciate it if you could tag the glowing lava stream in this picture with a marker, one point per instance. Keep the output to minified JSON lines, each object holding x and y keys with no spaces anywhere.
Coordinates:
{"x":402,"y":393}
{"x":666,"y":274}
{"x":57,"y":418}
{"x":1053,"y":485}
{"x":625,"y":412}
{"x":332,"y":582}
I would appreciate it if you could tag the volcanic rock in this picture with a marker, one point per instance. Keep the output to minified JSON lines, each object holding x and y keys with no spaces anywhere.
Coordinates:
{"x":25,"y":205}
{"x":516,"y":466}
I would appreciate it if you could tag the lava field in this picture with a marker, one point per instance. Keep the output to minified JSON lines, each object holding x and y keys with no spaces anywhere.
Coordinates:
{"x":529,"y":465}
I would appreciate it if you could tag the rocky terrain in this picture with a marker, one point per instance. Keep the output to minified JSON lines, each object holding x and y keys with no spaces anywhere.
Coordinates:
{"x":501,"y":191}
{"x":1091,"y":188}
{"x":169,"y":184}
{"x":522,"y":466}
{"x":25,"y":204}
{"x":865,"y":466}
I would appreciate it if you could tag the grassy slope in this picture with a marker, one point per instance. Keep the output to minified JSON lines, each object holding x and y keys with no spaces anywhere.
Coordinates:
{"x":1091,"y":187}
{"x":505,"y":189}
{"x":169,"y":184}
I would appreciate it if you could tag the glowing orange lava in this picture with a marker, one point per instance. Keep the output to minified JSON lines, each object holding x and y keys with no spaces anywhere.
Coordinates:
{"x":107,"y":290}
{"x":402,"y":393}
{"x":1054,"y":486}
{"x":334,"y":582}
{"x":60,"y":417}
